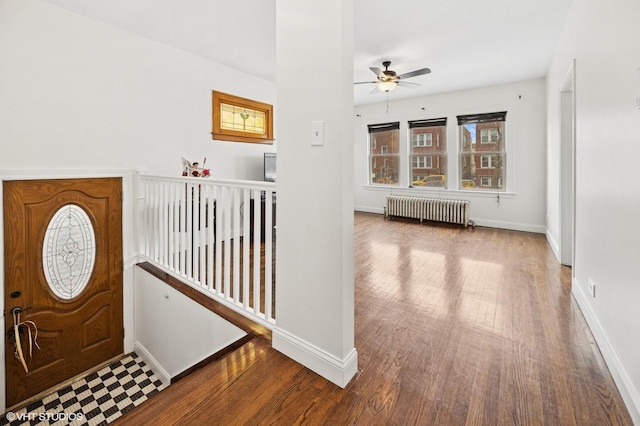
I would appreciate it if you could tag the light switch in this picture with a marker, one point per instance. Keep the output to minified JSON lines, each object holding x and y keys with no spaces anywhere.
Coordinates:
{"x":317,"y":133}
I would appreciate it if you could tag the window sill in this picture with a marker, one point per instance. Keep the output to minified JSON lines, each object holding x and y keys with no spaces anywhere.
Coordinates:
{"x":439,"y":191}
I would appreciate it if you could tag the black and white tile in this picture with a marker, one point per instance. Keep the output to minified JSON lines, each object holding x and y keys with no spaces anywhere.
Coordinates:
{"x":97,"y":399}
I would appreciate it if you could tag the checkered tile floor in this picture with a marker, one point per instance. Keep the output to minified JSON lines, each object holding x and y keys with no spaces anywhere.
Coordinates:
{"x":97,"y":399}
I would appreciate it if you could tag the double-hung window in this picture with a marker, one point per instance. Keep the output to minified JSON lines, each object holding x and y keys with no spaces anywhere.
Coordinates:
{"x":422,"y":139}
{"x":384,"y":153}
{"x":482,"y":151}
{"x":428,"y":152}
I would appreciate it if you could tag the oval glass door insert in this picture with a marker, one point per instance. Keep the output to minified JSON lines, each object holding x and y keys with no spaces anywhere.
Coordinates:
{"x":68,"y":251}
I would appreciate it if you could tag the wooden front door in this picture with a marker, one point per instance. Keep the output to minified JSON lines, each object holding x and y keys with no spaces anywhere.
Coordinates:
{"x":79,"y":316}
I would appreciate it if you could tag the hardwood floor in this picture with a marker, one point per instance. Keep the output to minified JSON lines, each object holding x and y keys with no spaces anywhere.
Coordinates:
{"x":454,"y":326}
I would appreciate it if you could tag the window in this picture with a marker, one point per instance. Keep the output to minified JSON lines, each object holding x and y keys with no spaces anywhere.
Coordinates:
{"x":422,"y":162}
{"x":489,"y":135}
{"x":428,"y":156}
{"x":241,"y":120}
{"x":482,"y":151}
{"x":486,"y":161}
{"x":386,"y":136}
{"x":422,"y":139}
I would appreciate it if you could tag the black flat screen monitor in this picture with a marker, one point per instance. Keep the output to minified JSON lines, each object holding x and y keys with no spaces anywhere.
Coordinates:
{"x":270,"y":166}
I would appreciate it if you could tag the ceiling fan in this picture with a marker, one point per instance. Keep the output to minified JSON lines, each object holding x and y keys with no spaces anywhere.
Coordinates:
{"x":388,"y":79}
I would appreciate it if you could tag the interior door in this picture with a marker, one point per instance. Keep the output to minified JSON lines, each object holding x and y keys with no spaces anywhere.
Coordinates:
{"x":63,"y":268}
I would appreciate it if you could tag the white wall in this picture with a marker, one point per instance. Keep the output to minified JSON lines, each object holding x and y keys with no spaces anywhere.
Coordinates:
{"x":77,"y":93}
{"x":603,"y":38}
{"x":172,"y":331}
{"x":523,"y":206}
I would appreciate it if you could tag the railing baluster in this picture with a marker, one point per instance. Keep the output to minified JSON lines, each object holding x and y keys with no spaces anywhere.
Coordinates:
{"x":257,"y":286}
{"x":170,"y":220}
{"x":219,"y":202}
{"x":202,"y":223}
{"x":183,"y":230}
{"x":176,"y":224}
{"x":226,"y":242}
{"x":145,"y":216}
{"x":189,"y":232}
{"x":246,"y":243}
{"x":156,"y":225}
{"x":211,"y":236}
{"x":176,"y":227}
{"x":162,"y":210}
{"x":236,"y":245}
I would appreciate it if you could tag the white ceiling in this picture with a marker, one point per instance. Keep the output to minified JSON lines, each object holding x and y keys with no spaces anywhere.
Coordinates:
{"x":466,"y":43}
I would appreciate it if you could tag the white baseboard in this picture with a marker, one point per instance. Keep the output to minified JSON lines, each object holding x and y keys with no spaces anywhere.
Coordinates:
{"x":338,"y":371}
{"x":555,"y":247}
{"x":513,"y":226}
{"x":628,"y":391}
{"x":367,"y":209}
{"x":158,"y":370}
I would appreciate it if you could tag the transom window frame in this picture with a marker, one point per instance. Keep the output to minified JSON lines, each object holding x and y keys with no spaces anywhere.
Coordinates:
{"x":219,"y":132}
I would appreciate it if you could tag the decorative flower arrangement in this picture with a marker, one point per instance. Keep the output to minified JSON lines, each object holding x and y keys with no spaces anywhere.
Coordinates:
{"x":194,"y":169}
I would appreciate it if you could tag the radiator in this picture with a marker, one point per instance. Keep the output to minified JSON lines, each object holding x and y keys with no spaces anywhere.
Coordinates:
{"x":437,"y":209}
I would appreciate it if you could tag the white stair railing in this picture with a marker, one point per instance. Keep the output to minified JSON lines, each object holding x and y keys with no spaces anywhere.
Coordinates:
{"x":216,"y":235}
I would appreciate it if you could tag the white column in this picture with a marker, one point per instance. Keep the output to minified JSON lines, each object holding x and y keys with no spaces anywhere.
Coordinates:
{"x":314,"y":286}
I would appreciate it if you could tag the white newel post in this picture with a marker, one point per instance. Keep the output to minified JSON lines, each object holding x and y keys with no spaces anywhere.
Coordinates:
{"x":314,"y":113}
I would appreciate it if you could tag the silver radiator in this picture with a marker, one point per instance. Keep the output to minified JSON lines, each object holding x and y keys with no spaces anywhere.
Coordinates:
{"x":437,"y":209}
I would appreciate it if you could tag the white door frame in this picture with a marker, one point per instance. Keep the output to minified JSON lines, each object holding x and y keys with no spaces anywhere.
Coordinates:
{"x":568,"y":167}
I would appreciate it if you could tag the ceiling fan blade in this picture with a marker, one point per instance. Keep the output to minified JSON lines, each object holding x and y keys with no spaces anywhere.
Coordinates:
{"x":365,"y":82}
{"x":375,"y":90}
{"x":377,"y":71}
{"x":415,"y":73}
{"x":407,"y":84}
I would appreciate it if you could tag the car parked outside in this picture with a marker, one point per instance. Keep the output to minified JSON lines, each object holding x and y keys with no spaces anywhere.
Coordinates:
{"x":433,"y":181}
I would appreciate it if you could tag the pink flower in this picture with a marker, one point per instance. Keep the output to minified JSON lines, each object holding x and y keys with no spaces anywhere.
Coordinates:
{"x":206,"y":172}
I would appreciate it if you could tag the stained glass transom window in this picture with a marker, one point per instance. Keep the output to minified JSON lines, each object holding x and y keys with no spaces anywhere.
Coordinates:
{"x":242,"y":119}
{"x":239,"y":119}
{"x":68,"y":251}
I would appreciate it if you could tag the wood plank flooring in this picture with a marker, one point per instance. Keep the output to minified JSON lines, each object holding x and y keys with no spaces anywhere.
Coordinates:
{"x":454,"y":326}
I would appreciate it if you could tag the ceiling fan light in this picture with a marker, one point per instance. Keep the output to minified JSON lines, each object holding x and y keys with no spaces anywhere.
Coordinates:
{"x":387,"y":86}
